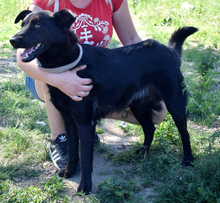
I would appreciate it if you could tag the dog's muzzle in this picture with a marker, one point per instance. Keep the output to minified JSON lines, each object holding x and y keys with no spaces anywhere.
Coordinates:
{"x":15,"y":42}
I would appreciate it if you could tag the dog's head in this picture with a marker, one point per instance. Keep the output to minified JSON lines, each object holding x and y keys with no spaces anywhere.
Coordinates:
{"x":41,"y":30}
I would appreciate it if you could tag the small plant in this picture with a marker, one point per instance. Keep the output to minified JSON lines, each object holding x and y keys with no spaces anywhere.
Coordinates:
{"x":117,"y":190}
{"x":128,"y":156}
{"x":167,"y":133}
{"x":146,"y":182}
{"x":167,"y":21}
{"x":206,"y":60}
{"x":99,"y":131}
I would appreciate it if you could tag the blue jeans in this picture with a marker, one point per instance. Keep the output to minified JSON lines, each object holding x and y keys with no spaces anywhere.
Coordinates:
{"x":31,"y":87}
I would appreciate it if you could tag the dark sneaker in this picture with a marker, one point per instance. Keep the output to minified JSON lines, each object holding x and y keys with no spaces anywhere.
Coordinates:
{"x":58,"y":151}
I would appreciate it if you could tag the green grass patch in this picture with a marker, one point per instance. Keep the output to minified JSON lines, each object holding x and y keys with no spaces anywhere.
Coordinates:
{"x":199,"y":184}
{"x":46,"y":192}
{"x":117,"y":190}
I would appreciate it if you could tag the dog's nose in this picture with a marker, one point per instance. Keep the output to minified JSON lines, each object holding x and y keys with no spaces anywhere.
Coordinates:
{"x":14,"y":42}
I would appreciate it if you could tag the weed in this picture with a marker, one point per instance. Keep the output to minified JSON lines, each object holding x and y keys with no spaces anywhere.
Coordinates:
{"x":128,"y":156}
{"x":99,"y":131}
{"x":116,"y":190}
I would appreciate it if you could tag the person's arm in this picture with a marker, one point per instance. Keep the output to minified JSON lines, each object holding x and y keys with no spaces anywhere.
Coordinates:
{"x":124,"y":26}
{"x":68,"y":82}
{"x":34,"y":7}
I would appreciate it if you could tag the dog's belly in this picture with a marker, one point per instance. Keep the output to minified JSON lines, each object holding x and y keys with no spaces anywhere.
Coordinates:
{"x":108,"y":102}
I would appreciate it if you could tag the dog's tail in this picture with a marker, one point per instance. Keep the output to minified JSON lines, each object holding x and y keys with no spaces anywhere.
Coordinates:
{"x":178,"y":37}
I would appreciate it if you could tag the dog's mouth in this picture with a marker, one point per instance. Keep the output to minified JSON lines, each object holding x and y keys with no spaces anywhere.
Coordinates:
{"x":31,"y":53}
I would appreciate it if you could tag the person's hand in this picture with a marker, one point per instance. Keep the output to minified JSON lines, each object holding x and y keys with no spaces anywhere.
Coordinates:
{"x":71,"y":84}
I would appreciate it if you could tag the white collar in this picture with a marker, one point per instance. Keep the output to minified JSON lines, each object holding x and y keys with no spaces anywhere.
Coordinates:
{"x":65,"y":67}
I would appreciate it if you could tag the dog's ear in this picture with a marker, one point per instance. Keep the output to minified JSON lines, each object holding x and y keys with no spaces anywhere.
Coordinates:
{"x":64,"y":19}
{"x":22,"y":15}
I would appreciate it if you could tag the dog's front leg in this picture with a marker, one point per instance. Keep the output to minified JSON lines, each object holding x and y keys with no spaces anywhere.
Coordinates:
{"x":86,"y":133}
{"x":72,"y":149}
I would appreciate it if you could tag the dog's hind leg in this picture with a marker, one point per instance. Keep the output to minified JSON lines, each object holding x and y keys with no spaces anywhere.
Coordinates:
{"x":144,"y":116}
{"x":177,"y":109}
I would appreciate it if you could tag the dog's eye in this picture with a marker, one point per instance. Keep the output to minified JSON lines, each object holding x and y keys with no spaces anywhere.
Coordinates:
{"x":36,"y":26}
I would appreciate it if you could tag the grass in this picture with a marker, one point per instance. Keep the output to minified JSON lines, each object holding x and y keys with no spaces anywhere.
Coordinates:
{"x":47,"y":192}
{"x":117,"y":189}
{"x":22,"y":136}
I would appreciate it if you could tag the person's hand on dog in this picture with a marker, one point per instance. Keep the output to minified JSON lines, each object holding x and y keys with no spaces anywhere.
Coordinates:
{"x":71,"y":84}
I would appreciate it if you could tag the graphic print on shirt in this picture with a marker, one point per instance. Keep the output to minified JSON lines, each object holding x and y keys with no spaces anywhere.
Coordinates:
{"x":87,"y":25}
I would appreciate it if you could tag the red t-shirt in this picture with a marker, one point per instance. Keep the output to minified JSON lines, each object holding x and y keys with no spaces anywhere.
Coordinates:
{"x":93,"y":24}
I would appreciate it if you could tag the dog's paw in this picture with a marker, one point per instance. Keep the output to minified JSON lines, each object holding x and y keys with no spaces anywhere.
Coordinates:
{"x":82,"y":189}
{"x":143,"y":150}
{"x":186,"y":164}
{"x":63,"y":173}
{"x":67,"y":173}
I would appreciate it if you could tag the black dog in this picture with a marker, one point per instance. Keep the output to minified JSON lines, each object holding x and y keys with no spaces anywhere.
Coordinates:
{"x":138,"y":76}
